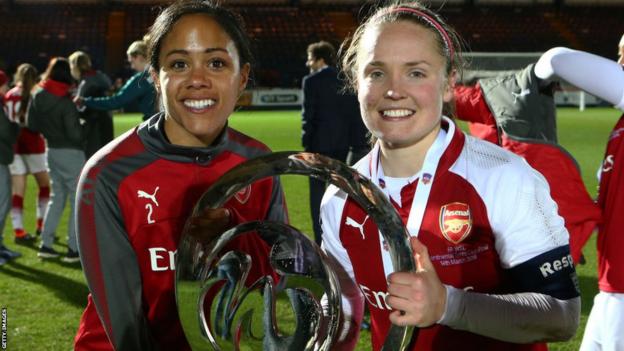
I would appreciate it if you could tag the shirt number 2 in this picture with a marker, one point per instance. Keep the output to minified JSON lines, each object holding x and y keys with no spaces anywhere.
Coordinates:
{"x":150,"y":210}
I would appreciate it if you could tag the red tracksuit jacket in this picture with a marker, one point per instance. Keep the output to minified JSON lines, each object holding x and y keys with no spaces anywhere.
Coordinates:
{"x":134,"y":198}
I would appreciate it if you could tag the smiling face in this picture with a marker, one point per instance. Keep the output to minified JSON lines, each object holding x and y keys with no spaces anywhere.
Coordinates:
{"x":200,"y":79}
{"x":402,"y":83}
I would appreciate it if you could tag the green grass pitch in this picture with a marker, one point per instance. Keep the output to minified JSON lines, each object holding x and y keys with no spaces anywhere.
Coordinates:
{"x":44,"y":299}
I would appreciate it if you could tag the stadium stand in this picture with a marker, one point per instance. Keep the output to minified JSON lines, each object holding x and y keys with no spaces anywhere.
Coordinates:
{"x":282,"y":29}
{"x":34,"y":33}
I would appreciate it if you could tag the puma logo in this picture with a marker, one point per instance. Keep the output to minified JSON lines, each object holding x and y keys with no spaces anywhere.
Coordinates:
{"x":143,"y":194}
{"x":351,"y":222}
{"x":523,"y":92}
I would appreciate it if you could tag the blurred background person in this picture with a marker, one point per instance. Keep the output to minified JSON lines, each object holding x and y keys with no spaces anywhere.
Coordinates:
{"x":603,"y":78}
{"x":53,"y":114}
{"x":516,"y":110}
{"x":8,"y":136}
{"x":98,"y":126}
{"x":29,"y":155}
{"x":117,"y":85}
{"x":139,"y":88}
{"x":359,"y":139}
{"x":327,"y":117}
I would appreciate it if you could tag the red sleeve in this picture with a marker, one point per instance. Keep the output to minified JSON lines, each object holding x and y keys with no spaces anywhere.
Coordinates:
{"x":91,"y":335}
{"x":470,"y":106}
{"x":109,"y":261}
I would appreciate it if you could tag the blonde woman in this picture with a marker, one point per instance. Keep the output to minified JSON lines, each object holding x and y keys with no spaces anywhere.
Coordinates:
{"x":139,"y":88}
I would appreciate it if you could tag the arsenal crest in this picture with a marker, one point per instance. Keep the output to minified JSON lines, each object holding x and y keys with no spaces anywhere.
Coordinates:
{"x":243,"y":195}
{"x":455,"y":221}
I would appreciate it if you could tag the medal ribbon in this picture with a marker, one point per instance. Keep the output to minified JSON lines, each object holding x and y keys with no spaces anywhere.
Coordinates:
{"x":426,"y":177}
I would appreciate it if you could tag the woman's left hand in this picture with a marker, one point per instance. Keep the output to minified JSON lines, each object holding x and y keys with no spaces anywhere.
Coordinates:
{"x":417,"y":298}
{"x":210,"y":223}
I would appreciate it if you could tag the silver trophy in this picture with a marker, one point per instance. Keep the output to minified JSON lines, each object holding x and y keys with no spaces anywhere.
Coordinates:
{"x":216,"y":307}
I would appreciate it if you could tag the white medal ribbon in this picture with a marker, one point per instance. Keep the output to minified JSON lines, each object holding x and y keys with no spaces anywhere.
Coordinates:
{"x":423,"y":189}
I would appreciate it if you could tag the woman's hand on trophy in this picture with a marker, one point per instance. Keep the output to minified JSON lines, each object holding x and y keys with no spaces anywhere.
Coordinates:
{"x":418,"y":298}
{"x":209,"y":223}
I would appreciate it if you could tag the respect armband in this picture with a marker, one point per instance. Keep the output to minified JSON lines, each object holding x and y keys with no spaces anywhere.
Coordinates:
{"x":551,"y":273}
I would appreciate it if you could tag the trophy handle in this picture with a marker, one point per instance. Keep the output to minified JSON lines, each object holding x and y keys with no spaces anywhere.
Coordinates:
{"x":203,"y":268}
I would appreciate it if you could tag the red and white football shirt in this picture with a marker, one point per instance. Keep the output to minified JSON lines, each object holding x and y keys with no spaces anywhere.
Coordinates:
{"x":28,"y":142}
{"x":610,"y":199}
{"x":479,"y":209}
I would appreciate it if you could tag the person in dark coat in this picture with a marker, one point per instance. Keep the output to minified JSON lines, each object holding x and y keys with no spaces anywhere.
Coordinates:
{"x":53,"y":114}
{"x":98,"y":129}
{"x":359,"y":138}
{"x":328,"y":116}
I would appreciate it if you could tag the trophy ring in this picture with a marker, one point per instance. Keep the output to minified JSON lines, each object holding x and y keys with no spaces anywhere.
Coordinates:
{"x":215,"y":299}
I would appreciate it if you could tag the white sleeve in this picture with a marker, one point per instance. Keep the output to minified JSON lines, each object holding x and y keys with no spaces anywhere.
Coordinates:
{"x":524,"y":217}
{"x":530,"y":235}
{"x":596,"y":75}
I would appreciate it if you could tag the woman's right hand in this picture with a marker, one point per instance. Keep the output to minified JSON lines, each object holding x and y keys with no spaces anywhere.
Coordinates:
{"x":417,"y":298}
